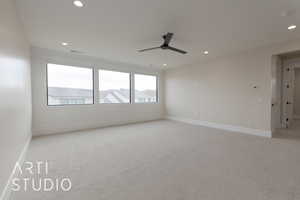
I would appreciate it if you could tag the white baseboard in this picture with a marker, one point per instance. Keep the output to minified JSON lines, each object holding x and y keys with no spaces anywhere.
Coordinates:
{"x":7,"y":189}
{"x":239,"y":129}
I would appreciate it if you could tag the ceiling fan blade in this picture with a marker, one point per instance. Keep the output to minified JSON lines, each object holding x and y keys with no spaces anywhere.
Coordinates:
{"x":177,"y":50}
{"x":149,"y":49}
{"x":167,"y":38}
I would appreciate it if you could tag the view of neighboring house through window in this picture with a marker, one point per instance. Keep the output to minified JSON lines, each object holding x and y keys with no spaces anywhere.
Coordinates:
{"x":69,"y":85}
{"x":114,"y":87}
{"x":145,"y":88}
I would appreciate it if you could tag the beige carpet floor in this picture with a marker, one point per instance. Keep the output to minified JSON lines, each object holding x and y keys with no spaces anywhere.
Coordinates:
{"x":167,"y":160}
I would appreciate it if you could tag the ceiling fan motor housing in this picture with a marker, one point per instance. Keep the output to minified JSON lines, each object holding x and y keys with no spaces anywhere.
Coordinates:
{"x":164,"y":46}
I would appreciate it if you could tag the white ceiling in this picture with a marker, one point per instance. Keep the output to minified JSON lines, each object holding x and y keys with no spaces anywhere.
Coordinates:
{"x":116,"y":29}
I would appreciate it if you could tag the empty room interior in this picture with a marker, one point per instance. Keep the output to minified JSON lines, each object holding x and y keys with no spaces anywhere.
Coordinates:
{"x":149,"y":100}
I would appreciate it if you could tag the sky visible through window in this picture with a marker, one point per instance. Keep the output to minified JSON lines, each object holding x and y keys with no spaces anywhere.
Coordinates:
{"x":82,"y":78}
{"x":145,"y":88}
{"x":70,"y":77}
{"x":144,"y":82}
{"x":113,"y":80}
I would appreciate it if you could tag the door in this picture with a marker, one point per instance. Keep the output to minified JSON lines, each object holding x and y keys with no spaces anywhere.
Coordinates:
{"x":288,"y":95}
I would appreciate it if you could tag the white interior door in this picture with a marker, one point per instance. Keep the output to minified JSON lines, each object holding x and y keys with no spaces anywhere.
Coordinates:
{"x":288,"y":95}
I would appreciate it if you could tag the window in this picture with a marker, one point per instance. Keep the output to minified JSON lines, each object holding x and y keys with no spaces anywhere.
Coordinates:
{"x":114,"y":87}
{"x":68,"y":85}
{"x":145,"y":88}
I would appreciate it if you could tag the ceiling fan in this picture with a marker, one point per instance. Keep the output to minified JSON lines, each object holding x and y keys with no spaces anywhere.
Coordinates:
{"x":165,"y":46}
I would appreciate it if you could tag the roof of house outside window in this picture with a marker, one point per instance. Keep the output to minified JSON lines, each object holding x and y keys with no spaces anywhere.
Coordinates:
{"x":107,"y":96}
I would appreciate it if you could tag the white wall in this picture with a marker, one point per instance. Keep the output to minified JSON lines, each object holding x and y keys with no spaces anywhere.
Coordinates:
{"x":222,"y":90}
{"x":55,"y":119}
{"x":15,"y":92}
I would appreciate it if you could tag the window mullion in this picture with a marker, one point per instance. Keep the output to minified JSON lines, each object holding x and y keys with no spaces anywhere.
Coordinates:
{"x":96,"y":86}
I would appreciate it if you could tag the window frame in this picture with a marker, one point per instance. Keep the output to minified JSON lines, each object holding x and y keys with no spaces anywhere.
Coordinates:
{"x":47,"y":86}
{"x":156,"y":88}
{"x":130,"y":86}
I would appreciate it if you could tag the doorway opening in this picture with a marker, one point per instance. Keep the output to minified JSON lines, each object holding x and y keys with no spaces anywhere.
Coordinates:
{"x":285,"y":110}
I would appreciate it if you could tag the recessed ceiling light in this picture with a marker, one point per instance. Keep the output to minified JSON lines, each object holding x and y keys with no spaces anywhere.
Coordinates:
{"x":205,"y":52}
{"x":78,"y":3}
{"x":292,"y":27}
{"x":64,"y":44}
{"x":164,"y":65}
